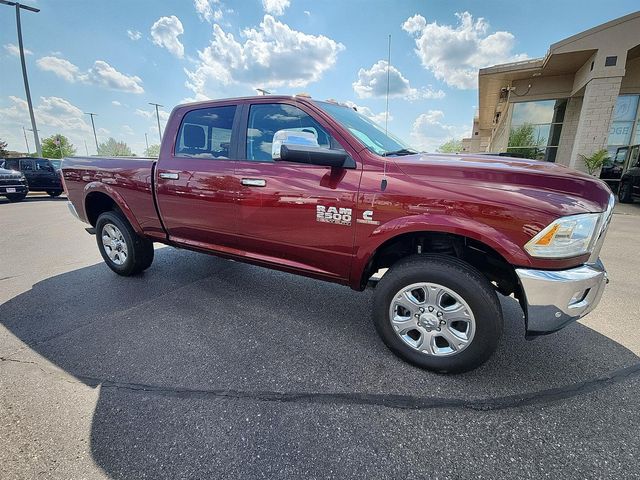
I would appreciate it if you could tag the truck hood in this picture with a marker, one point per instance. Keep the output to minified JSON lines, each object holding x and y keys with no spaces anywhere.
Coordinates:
{"x":538,"y":185}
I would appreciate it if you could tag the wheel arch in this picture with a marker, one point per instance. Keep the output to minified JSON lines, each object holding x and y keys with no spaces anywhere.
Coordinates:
{"x":100,"y":198}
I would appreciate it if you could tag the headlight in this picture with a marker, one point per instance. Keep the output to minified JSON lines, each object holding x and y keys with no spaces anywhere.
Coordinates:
{"x":566,"y":237}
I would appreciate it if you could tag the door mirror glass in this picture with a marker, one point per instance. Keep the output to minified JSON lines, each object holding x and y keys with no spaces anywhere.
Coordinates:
{"x":291,"y":137}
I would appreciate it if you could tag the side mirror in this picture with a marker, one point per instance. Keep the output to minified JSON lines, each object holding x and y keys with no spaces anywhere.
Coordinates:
{"x":302,"y":147}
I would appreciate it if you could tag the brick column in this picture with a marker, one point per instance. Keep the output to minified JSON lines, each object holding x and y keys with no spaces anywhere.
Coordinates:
{"x":599,"y":100}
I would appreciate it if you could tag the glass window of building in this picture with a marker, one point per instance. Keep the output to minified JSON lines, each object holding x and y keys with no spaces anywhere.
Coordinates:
{"x":535,"y":129}
{"x":624,"y":131}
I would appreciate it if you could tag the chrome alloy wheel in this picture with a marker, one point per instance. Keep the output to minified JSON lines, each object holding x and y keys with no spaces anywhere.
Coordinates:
{"x":432,"y":319}
{"x":114,"y":244}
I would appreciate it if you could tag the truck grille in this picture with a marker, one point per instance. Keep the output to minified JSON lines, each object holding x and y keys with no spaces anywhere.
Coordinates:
{"x":8,"y":179}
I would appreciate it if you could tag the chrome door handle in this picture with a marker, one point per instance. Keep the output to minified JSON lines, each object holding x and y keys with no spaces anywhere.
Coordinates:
{"x":169,"y":176}
{"x":254,"y":182}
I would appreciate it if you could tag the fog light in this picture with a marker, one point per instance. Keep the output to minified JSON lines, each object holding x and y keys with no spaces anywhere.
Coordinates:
{"x":578,"y":297}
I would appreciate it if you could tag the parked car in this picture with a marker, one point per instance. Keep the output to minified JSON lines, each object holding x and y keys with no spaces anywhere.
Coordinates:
{"x":13,"y":185}
{"x":630,"y":180}
{"x":315,"y":188}
{"x":41,"y":173}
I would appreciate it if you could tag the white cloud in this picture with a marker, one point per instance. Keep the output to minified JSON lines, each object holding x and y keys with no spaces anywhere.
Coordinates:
{"x":116,"y":103}
{"x":134,"y":35}
{"x":105,"y":75}
{"x":207,"y":11}
{"x":101,"y":74}
{"x":271,"y":55}
{"x":151,"y":114}
{"x":60,"y":66}
{"x":127,"y":130}
{"x":307,"y":13}
{"x":15,"y":51}
{"x":165,"y":34}
{"x":275,"y":7}
{"x":373,"y":83}
{"x":454,"y":53}
{"x":379,"y":118}
{"x":53,"y":112}
{"x":429,"y":131}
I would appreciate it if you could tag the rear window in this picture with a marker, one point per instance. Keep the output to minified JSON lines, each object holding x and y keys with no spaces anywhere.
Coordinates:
{"x":206,"y":133}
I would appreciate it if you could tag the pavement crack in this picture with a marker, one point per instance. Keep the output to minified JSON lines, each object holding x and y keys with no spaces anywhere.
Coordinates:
{"x":403,"y":402}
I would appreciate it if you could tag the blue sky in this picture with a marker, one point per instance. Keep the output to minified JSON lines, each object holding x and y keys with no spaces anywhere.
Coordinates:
{"x":114,"y":57}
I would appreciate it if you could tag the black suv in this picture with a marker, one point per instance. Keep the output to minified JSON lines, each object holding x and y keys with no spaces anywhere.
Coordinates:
{"x":43,"y":175}
{"x":13,"y":185}
{"x":630,"y":181}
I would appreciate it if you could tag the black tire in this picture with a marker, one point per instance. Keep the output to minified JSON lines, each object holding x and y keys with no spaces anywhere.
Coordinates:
{"x":54,"y":193}
{"x":139,"y":250}
{"x":462,"y":279}
{"x":16,"y":197}
{"x":625,"y":192}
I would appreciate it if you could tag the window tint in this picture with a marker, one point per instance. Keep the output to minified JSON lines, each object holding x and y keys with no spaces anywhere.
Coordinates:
{"x":266,"y":119}
{"x":206,"y":133}
{"x":26,"y":165}
{"x":43,"y":166}
{"x":11,"y":165}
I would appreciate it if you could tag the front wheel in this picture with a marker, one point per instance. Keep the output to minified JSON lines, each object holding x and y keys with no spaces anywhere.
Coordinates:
{"x":122,"y":249}
{"x":438,"y":313}
{"x":625,"y":193}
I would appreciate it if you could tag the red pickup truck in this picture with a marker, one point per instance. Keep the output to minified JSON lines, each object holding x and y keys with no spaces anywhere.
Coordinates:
{"x":317,"y":189}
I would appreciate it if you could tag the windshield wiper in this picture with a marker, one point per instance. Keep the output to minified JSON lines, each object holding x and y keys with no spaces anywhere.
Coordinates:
{"x":402,"y":151}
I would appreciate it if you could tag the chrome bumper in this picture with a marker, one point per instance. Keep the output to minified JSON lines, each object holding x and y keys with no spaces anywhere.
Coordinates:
{"x":555,"y":298}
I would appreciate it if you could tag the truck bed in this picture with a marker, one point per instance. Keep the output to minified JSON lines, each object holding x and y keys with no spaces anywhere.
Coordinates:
{"x":129,"y":178}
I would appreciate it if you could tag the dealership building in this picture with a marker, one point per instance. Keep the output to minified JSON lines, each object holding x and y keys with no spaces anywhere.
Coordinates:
{"x":582,"y":96}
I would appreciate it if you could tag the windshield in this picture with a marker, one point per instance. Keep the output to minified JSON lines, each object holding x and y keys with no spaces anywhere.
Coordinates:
{"x":366,"y":130}
{"x":56,"y":164}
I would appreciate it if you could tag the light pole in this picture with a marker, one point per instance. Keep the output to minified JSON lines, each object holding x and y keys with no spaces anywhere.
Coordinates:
{"x":146,"y":140}
{"x":158,"y":118}
{"x":25,"y":139}
{"x":95,"y":137}
{"x":86,"y":148}
{"x":24,"y":68}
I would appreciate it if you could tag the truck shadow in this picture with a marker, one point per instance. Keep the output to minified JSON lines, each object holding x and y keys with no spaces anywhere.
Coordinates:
{"x":200,"y":355}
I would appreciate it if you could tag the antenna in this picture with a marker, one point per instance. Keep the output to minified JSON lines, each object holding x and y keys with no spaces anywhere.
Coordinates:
{"x":383,"y":183}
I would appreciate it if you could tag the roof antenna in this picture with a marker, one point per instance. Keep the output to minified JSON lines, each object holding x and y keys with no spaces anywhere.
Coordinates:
{"x":383,"y":184}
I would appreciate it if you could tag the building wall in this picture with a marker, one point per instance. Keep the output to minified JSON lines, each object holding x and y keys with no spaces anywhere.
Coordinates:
{"x":569,"y":130}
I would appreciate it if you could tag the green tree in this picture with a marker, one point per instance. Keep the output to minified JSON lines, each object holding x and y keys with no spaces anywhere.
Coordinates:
{"x":595,"y":161}
{"x":523,"y":140}
{"x":57,"y":146}
{"x":3,"y":149}
{"x":153,"y":151}
{"x":452,"y":146}
{"x":114,"y":148}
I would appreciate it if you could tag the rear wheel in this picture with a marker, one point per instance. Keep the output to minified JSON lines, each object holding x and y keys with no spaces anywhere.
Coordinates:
{"x":16,"y":197}
{"x":438,"y":313}
{"x":625,"y":193}
{"x":122,"y":249}
{"x":54,"y":193}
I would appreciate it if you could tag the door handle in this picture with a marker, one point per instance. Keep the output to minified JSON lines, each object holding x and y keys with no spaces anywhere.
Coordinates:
{"x":169,"y":176}
{"x":254,"y":182}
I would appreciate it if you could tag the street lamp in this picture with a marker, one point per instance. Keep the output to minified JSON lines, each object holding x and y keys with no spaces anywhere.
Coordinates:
{"x":95,"y":137}
{"x":24,"y":67}
{"x":158,"y":118}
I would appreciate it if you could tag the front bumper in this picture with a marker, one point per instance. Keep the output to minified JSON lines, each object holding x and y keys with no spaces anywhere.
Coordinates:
{"x":19,"y":188}
{"x":552,"y":299}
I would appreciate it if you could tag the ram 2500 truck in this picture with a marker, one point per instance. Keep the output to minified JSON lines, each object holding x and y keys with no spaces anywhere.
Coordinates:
{"x":315,"y":188}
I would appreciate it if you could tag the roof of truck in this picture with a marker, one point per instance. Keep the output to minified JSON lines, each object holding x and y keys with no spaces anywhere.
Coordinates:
{"x":298,"y":97}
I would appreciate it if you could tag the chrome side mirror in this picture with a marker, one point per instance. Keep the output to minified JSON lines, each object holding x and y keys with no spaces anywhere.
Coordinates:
{"x":290,"y":138}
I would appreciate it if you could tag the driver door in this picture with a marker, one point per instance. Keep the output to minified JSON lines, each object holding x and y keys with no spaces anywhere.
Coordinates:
{"x":298,"y":216}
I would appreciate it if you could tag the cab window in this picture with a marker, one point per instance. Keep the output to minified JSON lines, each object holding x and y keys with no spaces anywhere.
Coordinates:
{"x":206,"y":133}
{"x":43,"y":166}
{"x":26,"y":165}
{"x":266,"y":119}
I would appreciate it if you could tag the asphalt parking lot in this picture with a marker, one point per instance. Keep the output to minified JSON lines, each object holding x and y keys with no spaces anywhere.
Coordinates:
{"x":207,"y":368}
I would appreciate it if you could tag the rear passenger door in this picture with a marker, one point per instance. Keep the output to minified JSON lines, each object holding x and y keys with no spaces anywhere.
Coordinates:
{"x":195,"y":181}
{"x":27,"y":167}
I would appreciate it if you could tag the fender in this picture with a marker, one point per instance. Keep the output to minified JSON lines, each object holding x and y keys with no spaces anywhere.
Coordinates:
{"x":111,"y":192}
{"x":436,"y":223}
